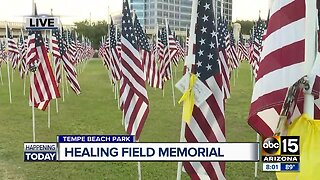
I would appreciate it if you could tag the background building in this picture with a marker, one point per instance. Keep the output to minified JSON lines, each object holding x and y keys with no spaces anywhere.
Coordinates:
{"x":154,"y":12}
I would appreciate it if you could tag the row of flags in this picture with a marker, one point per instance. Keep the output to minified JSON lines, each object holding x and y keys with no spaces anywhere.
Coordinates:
{"x":133,"y":60}
{"x":32,"y":53}
{"x":275,"y":51}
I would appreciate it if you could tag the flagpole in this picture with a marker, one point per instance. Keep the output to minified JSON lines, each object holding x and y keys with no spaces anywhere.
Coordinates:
{"x":8,"y":67}
{"x":310,"y":53}
{"x":172,"y":86}
{"x":182,"y":132}
{"x":12,"y":73}
{"x":33,"y":113}
{"x":1,"y":76}
{"x":189,"y":61}
{"x":65,"y":80}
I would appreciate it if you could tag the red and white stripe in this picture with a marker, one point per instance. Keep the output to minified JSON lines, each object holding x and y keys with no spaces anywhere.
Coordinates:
{"x":133,"y":93}
{"x":71,"y":73}
{"x":151,"y":69}
{"x":282,"y":64}
{"x":57,"y":59}
{"x":44,"y":87}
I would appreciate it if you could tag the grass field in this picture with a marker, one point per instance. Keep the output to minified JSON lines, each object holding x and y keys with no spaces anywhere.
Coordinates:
{"x":95,"y":111}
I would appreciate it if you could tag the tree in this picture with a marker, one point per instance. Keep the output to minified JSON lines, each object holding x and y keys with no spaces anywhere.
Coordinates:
{"x":246,"y":26}
{"x":93,"y":31}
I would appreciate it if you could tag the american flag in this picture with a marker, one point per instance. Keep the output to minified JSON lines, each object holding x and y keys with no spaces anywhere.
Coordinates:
{"x":243,"y":53}
{"x":257,"y":45}
{"x":232,"y":51}
{"x":72,"y":47}
{"x":44,"y":87}
{"x":165,"y":71}
{"x":173,"y":49}
{"x":56,"y":55}
{"x":22,"y":45}
{"x":148,"y":59}
{"x":133,"y":89}
{"x":13,"y":51}
{"x":160,"y":46}
{"x":207,"y":123}
{"x":187,"y":41}
{"x":3,"y":53}
{"x":115,"y":55}
{"x":282,"y":64}
{"x":225,"y":69}
{"x":69,"y":68}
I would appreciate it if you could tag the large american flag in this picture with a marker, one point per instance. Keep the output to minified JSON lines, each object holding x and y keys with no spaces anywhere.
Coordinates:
{"x":282,"y":64}
{"x":225,"y":69}
{"x":207,"y":123}
{"x":133,"y":88}
{"x":150,"y":65}
{"x":44,"y":87}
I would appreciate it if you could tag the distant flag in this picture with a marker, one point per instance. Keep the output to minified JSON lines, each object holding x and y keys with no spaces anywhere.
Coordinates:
{"x":148,"y":59}
{"x":56,"y":55}
{"x":257,"y":45}
{"x":225,"y":69}
{"x":13,"y":51}
{"x":133,"y":91}
{"x":69,"y":68}
{"x":115,"y":55}
{"x":22,"y":45}
{"x":231,"y":51}
{"x":243,"y":53}
{"x":207,"y":123}
{"x":165,"y":70}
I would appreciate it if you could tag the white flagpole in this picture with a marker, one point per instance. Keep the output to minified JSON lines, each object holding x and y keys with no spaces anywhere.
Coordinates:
{"x":310,"y":53}
{"x":189,"y":61}
{"x":256,"y":163}
{"x":33,"y":113}
{"x":172,"y":86}
{"x":1,"y":77}
{"x":8,"y":66}
{"x":65,"y":79}
{"x":182,"y":132}
{"x":12,"y":74}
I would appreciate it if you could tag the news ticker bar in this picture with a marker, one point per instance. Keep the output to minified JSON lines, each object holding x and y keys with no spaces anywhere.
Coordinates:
{"x":77,"y":151}
{"x":277,"y":167}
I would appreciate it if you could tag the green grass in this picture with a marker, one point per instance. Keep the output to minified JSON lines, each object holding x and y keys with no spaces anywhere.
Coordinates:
{"x":95,"y":111}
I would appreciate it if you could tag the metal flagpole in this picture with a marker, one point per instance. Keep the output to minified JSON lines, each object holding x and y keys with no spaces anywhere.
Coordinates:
{"x":8,"y":67}
{"x":172,"y":86}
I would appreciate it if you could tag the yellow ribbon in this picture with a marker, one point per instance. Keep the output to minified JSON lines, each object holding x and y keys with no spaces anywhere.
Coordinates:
{"x":188,"y":100}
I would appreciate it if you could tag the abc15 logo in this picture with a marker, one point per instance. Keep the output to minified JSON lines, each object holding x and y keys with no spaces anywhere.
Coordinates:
{"x":281,"y":145}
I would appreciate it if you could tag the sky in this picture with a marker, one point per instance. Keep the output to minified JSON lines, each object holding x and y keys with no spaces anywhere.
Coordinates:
{"x":77,"y":10}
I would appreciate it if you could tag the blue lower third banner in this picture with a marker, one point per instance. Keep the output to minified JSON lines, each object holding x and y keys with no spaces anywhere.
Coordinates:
{"x":158,"y":152}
